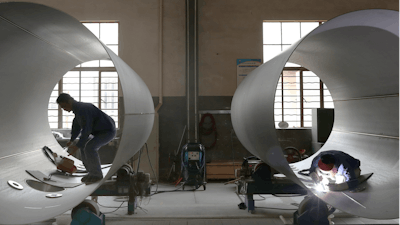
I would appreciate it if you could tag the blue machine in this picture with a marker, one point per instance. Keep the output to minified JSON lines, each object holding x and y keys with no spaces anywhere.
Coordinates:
{"x":193,"y":165}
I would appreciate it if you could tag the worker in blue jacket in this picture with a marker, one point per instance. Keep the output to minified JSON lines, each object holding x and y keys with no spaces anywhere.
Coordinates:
{"x":88,"y":120}
{"x":335,"y":169}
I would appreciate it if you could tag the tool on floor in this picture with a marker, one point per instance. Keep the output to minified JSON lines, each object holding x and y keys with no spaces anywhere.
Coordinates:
{"x":193,"y":167}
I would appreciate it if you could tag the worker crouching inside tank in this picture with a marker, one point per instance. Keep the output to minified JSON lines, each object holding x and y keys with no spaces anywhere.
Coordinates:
{"x":335,"y":171}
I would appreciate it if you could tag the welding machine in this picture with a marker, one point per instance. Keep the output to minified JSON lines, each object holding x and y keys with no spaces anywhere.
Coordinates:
{"x":193,"y":167}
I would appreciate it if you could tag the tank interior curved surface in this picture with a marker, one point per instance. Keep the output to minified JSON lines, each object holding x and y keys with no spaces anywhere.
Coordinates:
{"x":38,"y":46}
{"x":356,"y":55}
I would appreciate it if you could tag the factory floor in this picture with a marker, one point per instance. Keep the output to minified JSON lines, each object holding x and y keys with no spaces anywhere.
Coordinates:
{"x":217,"y":205}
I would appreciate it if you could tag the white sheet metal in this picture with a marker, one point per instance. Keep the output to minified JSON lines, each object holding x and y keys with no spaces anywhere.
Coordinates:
{"x":38,"y":46}
{"x":356,"y":55}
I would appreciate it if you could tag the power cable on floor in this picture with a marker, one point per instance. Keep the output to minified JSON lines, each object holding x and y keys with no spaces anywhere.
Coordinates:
{"x":112,"y":206}
{"x":144,"y":210}
{"x":263,"y":198}
{"x":114,"y":210}
{"x":233,"y":153}
{"x":140,"y":154}
{"x":151,"y":166}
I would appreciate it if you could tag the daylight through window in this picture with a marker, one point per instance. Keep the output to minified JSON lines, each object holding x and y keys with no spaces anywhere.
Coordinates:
{"x":298,"y":90}
{"x":94,"y":82}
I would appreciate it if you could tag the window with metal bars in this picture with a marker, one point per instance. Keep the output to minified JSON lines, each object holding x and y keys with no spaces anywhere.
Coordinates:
{"x":299,"y":90}
{"x":94,"y":82}
{"x":297,"y":93}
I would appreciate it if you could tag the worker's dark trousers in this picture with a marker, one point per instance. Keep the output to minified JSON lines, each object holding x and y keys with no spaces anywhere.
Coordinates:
{"x":90,"y":156}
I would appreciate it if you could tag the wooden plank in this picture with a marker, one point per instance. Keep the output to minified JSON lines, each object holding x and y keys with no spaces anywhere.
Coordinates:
{"x":222,"y":169}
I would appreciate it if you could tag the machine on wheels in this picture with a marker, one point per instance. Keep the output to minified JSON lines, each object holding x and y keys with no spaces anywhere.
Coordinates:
{"x":193,"y":165}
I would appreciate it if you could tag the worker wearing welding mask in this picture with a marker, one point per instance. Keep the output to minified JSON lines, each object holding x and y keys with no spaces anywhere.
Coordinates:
{"x":88,"y":120}
{"x":336,"y":170}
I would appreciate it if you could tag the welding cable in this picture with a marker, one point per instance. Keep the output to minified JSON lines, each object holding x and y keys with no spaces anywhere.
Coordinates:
{"x":233,"y":154}
{"x":143,"y":209}
{"x":49,"y":154}
{"x":253,"y":199}
{"x":114,"y":210}
{"x":175,"y":190}
{"x":263,"y":198}
{"x":151,"y":166}
{"x":206,"y":132}
{"x":302,"y":172}
{"x":112,"y":207}
{"x":140,"y":154}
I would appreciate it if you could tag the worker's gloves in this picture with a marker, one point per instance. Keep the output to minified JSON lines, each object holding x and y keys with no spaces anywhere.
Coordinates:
{"x":340,"y":179}
{"x":72,"y":149}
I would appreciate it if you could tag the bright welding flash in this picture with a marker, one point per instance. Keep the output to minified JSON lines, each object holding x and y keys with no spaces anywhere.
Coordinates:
{"x":322,"y":186}
{"x":319,"y":187}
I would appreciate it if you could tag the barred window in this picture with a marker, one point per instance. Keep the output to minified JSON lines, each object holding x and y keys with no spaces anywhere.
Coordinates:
{"x":94,"y":82}
{"x":299,"y":90}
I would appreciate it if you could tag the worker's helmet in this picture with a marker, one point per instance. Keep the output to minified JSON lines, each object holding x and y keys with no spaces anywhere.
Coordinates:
{"x":324,"y":166}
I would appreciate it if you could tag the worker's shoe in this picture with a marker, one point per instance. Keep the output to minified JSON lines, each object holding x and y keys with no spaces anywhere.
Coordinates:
{"x":89,"y":179}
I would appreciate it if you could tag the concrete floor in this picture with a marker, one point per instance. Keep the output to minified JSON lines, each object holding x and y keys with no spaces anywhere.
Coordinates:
{"x":217,"y":205}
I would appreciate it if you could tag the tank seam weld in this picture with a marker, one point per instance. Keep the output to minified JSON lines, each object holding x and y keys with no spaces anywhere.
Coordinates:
{"x":4,"y":157}
{"x":38,"y":37}
{"x":367,"y":134}
{"x":369,"y":97}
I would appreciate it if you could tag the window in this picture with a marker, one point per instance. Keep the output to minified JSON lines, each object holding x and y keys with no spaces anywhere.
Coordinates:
{"x":299,"y":90}
{"x":95,"y":82}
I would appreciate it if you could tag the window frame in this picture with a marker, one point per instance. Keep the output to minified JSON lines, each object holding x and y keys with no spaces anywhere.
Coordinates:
{"x":100,"y":69}
{"x":300,"y":69}
{"x":95,"y":69}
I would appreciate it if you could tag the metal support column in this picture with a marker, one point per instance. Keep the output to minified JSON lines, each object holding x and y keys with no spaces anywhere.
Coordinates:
{"x":191,"y":70}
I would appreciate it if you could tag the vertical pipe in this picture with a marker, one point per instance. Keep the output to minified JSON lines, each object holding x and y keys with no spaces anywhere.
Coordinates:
{"x":195,"y":72}
{"x":99,"y":92}
{"x":301,"y":100}
{"x":160,"y":58}
{"x":80,"y":86}
{"x":187,"y":72}
{"x":60,"y":112}
{"x":282,"y":96}
{"x":191,"y":66}
{"x":321,"y":94}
